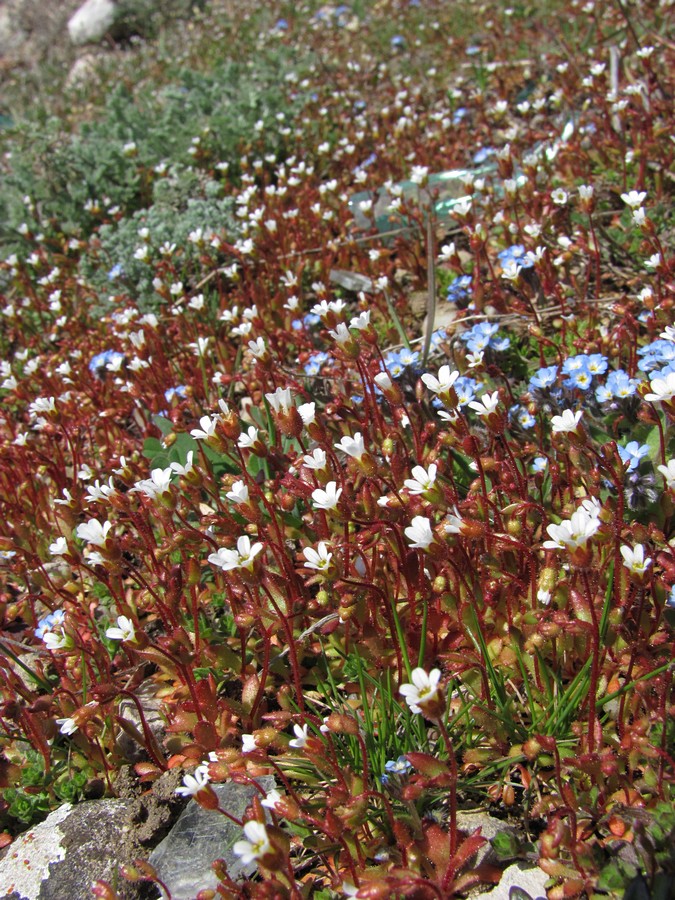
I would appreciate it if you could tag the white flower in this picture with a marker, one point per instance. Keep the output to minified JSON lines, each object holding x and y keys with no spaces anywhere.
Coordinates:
{"x":352,"y":446}
{"x":634,"y":199}
{"x":42,"y":405}
{"x":200,"y":346}
{"x":67,"y":726}
{"x":487,"y":404}
{"x":634,"y":559}
{"x":669,"y":333}
{"x":419,"y":533}
{"x":446,"y":252}
{"x":574,"y":532}
{"x":422,"y":479}
{"x":239,"y":492}
{"x":248,"y":743}
{"x":653,"y":262}
{"x":194,"y":783}
{"x":256,"y":845}
{"x":271,"y":800}
{"x":443,"y":383}
{"x":124,"y":631}
{"x":183,"y":470}
{"x":241,"y":558}
{"x":248,"y":440}
{"x":419,"y":174}
{"x":158,"y":483}
{"x":568,"y":421}
{"x":307,"y":413}
{"x":299,"y":742}
{"x":55,"y":640}
{"x":341,"y":334}
{"x":258,"y":348}
{"x":663,"y":389}
{"x":281,"y":400}
{"x":639,"y":217}
{"x":511,"y":271}
{"x":423,"y":689}
{"x":208,"y":428}
{"x":317,"y":459}
{"x":327,"y":499}
{"x":585,"y":191}
{"x":544,"y":597}
{"x":94,"y":532}
{"x":59,"y":547}
{"x":383,"y":381}
{"x":361,"y":321}
{"x":668,"y":472}
{"x":318,"y":559}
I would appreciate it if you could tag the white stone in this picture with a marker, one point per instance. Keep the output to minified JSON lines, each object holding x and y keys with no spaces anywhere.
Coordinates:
{"x":92,"y":21}
{"x":26,"y":864}
{"x":531,"y":880}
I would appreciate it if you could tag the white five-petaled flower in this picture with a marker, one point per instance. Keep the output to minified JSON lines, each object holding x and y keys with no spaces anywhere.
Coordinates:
{"x":241,"y":558}
{"x":59,"y":547}
{"x":568,"y":421}
{"x":327,"y":499}
{"x":424,"y":688}
{"x":272,"y":799}
{"x":307,"y":413}
{"x":256,"y":845}
{"x":634,"y":199}
{"x":56,"y":640}
{"x":124,"y":631}
{"x":361,"y":321}
{"x":446,"y":379}
{"x":663,"y":389}
{"x":248,"y":743}
{"x":281,"y":400}
{"x":422,"y":480}
{"x":193,"y":784}
{"x":258,"y":348}
{"x":634,"y":559}
{"x":180,"y":469}
{"x":420,"y":533}
{"x":574,"y":532}
{"x":248,"y":439}
{"x":318,"y":559}
{"x":487,"y":404}
{"x":315,"y":460}
{"x":352,"y":446}
{"x":238,"y":493}
{"x":158,"y":483}
{"x":208,"y":428}
{"x":341,"y":334}
{"x":668,"y":472}
{"x":383,"y":381}
{"x":299,"y":742}
{"x":67,"y":726}
{"x":94,"y":532}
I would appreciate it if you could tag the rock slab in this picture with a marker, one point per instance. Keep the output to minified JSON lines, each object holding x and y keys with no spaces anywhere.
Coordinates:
{"x":92,"y":21}
{"x":201,"y":836}
{"x":62,"y":856}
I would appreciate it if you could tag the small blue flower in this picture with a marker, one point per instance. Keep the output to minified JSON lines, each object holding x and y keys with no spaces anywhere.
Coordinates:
{"x":459,"y":289}
{"x":539,"y":464}
{"x":315,"y":362}
{"x":523,"y":417}
{"x":597,"y":364}
{"x":461,"y":113}
{"x":393,"y":364}
{"x":575,"y":364}
{"x":179,"y":391}
{"x":399,"y":766}
{"x":581,"y":379}
{"x":656,"y":354}
{"x":116,"y":272}
{"x":632,"y":453}
{"x":53,"y":620}
{"x":437,"y":338}
{"x":482,"y":155}
{"x":101,"y":360}
{"x":465,"y":388}
{"x":398,"y":42}
{"x":514,"y":254}
{"x":311,"y":319}
{"x":543,"y":378}
{"x":603,"y":394}
{"x":620,"y":384}
{"x":281,"y":25}
{"x":408,"y":357}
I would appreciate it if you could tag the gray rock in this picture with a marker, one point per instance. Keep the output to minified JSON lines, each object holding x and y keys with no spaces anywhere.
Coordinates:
{"x":489,"y":826}
{"x":62,"y":856}
{"x":201,"y":836}
{"x":92,"y":21}
{"x":530,"y":880}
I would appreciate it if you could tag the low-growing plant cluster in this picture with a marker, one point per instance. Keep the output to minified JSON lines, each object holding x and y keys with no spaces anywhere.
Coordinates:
{"x":367,"y":475}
